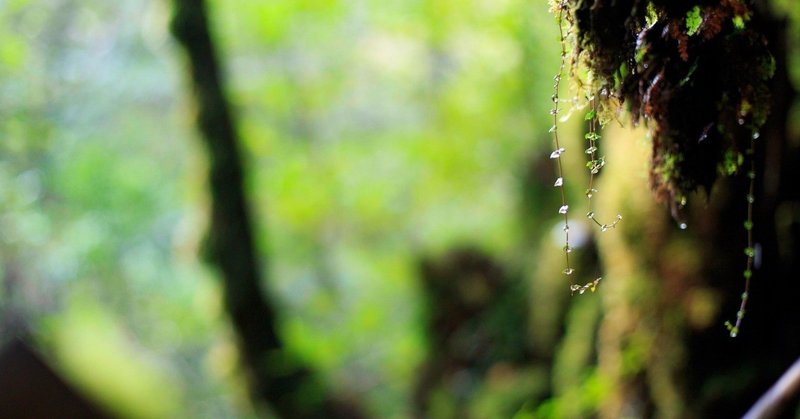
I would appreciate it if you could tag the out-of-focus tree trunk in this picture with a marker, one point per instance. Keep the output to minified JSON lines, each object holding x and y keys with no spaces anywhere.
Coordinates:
{"x":650,"y":266}
{"x":277,"y":378}
{"x":472,"y":318}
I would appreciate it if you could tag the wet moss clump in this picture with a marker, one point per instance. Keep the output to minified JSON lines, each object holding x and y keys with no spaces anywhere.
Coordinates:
{"x":695,"y":72}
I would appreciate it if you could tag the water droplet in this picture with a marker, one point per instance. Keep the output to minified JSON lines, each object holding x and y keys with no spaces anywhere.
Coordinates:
{"x":741,"y":121}
{"x":750,"y":252}
{"x":750,"y":198}
{"x":745,"y":296}
{"x":733,"y":333}
{"x":582,"y":290}
{"x":683,"y":201}
{"x":619,"y":217}
{"x":563,"y":209}
{"x":590,"y":214}
{"x":566,"y":228}
{"x":756,"y":135}
{"x":604,"y":228}
{"x":557,"y":153}
{"x":590,"y":150}
{"x":740,"y":314}
{"x":552,"y":129}
{"x":751,"y":174}
{"x":683,"y":226}
{"x":568,"y":271}
{"x":574,"y":287}
{"x":559,"y":182}
{"x":567,"y":249}
{"x":747,"y":274}
{"x":554,"y":111}
{"x":748,"y":225}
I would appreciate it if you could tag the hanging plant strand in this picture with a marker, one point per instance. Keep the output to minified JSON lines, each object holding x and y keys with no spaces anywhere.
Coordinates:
{"x":750,"y":250}
{"x":594,"y":165}
{"x":556,"y":154}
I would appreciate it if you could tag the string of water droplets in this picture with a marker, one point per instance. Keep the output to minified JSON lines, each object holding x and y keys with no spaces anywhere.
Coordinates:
{"x":556,"y":154}
{"x":750,"y":250}
{"x":594,"y":164}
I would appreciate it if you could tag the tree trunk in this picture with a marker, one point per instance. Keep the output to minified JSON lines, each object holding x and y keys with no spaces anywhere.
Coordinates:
{"x":276,"y":377}
{"x":667,"y":292}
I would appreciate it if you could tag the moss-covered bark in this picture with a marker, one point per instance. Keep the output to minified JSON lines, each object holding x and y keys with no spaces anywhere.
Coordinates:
{"x":695,"y":72}
{"x":662,"y":348}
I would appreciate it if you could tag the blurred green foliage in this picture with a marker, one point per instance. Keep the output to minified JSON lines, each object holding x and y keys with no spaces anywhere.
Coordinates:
{"x":375,"y":132}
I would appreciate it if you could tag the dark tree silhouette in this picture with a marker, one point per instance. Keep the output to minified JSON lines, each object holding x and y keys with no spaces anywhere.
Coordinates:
{"x":276,"y":376}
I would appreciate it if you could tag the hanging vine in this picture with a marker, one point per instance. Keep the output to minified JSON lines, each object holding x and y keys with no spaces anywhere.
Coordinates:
{"x":695,"y":73}
{"x":595,"y":162}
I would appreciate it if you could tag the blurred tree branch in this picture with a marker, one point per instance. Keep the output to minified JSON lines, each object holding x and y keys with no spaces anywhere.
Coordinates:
{"x":779,"y":397}
{"x":276,"y":378}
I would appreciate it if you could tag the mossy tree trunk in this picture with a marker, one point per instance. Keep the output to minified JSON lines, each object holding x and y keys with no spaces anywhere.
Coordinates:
{"x":667,"y":292}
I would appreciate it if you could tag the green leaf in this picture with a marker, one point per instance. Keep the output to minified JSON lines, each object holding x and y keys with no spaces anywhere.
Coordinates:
{"x":693,"y":21}
{"x":652,"y":15}
{"x":738,"y":22}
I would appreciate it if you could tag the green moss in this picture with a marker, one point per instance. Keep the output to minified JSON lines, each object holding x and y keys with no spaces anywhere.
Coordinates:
{"x":693,"y":21}
{"x":731,"y":162}
{"x":652,"y":15}
{"x":698,"y":79}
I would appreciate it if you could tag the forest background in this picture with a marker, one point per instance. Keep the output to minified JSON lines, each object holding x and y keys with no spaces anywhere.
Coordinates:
{"x":397,"y":166}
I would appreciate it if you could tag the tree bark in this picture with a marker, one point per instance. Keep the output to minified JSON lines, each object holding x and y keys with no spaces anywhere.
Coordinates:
{"x":287,"y":386}
{"x":663,"y":348}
